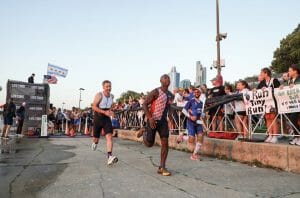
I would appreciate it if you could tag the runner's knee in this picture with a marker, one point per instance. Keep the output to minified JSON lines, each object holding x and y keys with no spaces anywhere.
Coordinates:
{"x":191,"y":139}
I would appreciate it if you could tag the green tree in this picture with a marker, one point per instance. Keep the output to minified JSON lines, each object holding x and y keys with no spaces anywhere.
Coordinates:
{"x":288,"y":53}
{"x":129,"y":94}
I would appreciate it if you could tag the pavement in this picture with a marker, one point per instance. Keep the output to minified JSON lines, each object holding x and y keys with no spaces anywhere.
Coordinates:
{"x":66,"y":167}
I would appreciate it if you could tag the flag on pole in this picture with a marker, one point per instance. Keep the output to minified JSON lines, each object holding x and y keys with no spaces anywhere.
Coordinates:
{"x":50,"y":79}
{"x":56,"y":70}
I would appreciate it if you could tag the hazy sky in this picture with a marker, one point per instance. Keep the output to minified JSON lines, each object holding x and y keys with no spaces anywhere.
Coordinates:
{"x":133,"y":42}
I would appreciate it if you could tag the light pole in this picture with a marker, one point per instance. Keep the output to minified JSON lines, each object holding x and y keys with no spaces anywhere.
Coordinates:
{"x":219,"y":37}
{"x":80,"y":89}
{"x":63,"y":105}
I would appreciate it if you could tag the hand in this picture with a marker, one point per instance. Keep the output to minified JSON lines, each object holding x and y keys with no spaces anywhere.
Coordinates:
{"x":193,"y":118}
{"x":152,"y":123}
{"x":254,"y":90}
{"x":291,"y":85}
{"x":281,"y":87}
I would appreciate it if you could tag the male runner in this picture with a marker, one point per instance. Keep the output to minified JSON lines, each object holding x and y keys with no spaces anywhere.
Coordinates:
{"x":102,"y":112}
{"x":159,"y":101}
{"x":193,"y":111}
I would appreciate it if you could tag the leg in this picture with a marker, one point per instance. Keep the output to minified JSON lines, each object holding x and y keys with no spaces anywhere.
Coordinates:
{"x":220,"y":119}
{"x":7,"y":130}
{"x":109,"y":143}
{"x":4,"y":130}
{"x":149,"y":136}
{"x":164,"y":151}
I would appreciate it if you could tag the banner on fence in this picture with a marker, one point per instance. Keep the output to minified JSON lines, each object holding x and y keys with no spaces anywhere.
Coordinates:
{"x":288,"y":99}
{"x":259,"y":101}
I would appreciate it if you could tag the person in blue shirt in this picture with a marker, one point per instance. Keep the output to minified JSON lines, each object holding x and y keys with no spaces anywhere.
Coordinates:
{"x":193,"y":111}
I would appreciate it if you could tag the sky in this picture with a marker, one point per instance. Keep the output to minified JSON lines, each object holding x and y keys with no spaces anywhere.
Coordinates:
{"x":133,"y":42}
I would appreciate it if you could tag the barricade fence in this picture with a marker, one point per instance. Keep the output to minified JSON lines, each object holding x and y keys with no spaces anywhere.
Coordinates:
{"x":258,"y":104}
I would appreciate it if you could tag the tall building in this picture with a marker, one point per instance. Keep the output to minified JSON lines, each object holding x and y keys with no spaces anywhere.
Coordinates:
{"x":185,"y":84}
{"x":200,"y":74}
{"x":174,"y":78}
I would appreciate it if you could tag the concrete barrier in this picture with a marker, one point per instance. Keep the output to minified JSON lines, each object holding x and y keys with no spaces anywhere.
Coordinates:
{"x":281,"y":156}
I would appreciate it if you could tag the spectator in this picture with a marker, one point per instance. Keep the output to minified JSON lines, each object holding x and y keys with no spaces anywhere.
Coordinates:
{"x":178,"y":100}
{"x":216,"y":113}
{"x":31,"y":78}
{"x":20,"y":118}
{"x":269,"y":82}
{"x":229,"y":106}
{"x":294,"y":74}
{"x":9,"y":112}
{"x":241,"y":120}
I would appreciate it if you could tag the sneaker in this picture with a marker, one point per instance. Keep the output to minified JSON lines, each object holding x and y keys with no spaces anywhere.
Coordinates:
{"x":298,"y":142}
{"x":239,"y":137}
{"x":6,"y":138}
{"x":268,"y":140}
{"x":194,"y":157}
{"x":179,"y":139}
{"x":163,"y":171}
{"x":274,"y":140}
{"x":112,"y":160}
{"x":293,"y":141}
{"x":140,"y":133}
{"x":94,"y":146}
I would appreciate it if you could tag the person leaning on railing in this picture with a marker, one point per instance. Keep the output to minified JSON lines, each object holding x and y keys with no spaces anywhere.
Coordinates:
{"x":272,"y":125}
{"x":294,"y":79}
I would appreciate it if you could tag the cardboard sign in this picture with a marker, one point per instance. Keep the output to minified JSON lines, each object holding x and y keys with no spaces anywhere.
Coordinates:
{"x":288,"y":99}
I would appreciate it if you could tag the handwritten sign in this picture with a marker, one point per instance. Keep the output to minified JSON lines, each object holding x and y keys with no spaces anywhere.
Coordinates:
{"x":288,"y":99}
{"x":259,"y":101}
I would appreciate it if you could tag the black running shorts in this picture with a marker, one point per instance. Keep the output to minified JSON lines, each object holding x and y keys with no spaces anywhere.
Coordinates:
{"x":102,"y":122}
{"x":162,"y":129}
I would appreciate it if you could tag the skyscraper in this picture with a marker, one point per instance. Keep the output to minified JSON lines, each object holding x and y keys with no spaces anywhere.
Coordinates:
{"x":174,"y":78}
{"x":200,"y":74}
{"x":185,"y":84}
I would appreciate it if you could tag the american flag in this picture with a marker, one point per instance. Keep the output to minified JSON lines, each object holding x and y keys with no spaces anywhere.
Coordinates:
{"x":50,"y":79}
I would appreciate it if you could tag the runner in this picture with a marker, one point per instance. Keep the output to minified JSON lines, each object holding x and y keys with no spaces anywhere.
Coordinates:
{"x":193,"y":111}
{"x":159,"y":101}
{"x":102,"y":112}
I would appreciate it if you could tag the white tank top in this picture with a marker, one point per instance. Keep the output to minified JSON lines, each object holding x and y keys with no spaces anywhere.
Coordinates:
{"x":106,"y":102}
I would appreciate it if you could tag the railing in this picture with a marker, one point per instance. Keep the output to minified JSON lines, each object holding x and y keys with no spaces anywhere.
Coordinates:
{"x":177,"y":120}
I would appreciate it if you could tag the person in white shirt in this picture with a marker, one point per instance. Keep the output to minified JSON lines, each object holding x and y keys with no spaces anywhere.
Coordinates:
{"x":241,"y":120}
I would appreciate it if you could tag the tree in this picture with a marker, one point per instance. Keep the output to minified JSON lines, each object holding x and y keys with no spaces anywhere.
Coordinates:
{"x":288,"y":53}
{"x":129,"y":95}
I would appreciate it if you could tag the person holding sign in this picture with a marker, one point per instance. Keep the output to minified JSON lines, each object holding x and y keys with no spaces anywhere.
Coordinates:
{"x":294,"y":74}
{"x":270,"y":117}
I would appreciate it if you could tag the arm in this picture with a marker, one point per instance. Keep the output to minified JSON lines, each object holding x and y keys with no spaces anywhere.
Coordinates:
{"x":149,"y":99}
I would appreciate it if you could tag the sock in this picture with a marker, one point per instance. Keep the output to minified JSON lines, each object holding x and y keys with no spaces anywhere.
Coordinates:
{"x":197,"y":148}
{"x":109,"y":154}
{"x":185,"y":138}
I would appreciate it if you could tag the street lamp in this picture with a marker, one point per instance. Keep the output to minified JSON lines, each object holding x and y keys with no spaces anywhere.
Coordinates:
{"x":80,"y":89}
{"x":63,"y":104}
{"x":219,"y":37}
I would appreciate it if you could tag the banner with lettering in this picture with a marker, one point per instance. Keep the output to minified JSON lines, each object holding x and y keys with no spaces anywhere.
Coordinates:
{"x":288,"y":99}
{"x":259,"y":101}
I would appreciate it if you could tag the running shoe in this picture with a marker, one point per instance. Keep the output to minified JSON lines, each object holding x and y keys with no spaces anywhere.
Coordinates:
{"x":298,"y":142}
{"x":6,"y":138}
{"x":163,"y":171}
{"x":112,"y":160}
{"x":194,"y":157}
{"x":94,"y":146}
{"x":274,"y":140}
{"x":293,"y":141}
{"x":268,"y":140}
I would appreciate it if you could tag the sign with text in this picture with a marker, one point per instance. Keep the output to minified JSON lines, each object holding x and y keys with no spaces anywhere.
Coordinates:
{"x":259,"y":101}
{"x":288,"y":99}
